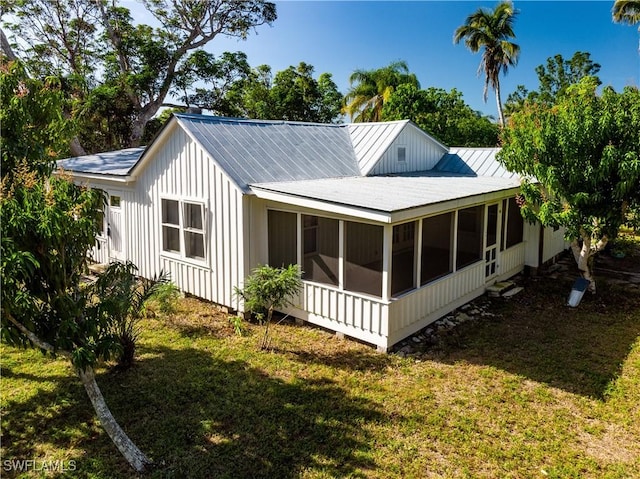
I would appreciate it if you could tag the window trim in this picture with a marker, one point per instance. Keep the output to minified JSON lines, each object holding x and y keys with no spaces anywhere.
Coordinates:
{"x":182,"y":229}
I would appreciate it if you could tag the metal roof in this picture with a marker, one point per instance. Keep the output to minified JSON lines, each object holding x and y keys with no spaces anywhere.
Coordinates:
{"x":391,"y":193}
{"x":371,"y":140}
{"x":117,"y":163}
{"x":473,"y":162}
{"x":273,"y":151}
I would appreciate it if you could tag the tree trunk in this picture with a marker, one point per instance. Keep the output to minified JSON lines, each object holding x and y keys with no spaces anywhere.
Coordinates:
{"x":129,"y":450}
{"x":76,"y":148}
{"x":499,"y":105}
{"x":585,"y":256}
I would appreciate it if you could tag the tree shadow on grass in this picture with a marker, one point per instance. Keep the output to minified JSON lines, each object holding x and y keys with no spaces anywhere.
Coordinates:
{"x":580,"y":350}
{"x":351,"y":360}
{"x":48,"y":422}
{"x":198,"y":416}
{"x":227,"y":419}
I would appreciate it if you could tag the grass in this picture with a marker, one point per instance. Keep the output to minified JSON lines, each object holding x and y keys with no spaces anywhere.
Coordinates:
{"x":540,"y":390}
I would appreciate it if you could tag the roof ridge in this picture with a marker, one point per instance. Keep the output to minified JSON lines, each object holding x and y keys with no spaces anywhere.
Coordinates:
{"x":228,"y":119}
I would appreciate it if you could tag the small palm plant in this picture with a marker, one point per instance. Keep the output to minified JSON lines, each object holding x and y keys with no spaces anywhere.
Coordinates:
{"x":123,"y":297}
{"x":268,"y":289}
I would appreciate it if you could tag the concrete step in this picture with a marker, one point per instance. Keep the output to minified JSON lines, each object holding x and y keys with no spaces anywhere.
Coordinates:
{"x":512,"y":292}
{"x":498,"y":289}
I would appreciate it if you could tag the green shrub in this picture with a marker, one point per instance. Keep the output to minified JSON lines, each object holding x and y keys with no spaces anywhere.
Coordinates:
{"x":268,"y":289}
{"x":166,"y":297}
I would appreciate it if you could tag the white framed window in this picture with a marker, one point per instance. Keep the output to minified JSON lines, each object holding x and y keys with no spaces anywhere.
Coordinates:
{"x":183,"y":228}
{"x":402,"y":154}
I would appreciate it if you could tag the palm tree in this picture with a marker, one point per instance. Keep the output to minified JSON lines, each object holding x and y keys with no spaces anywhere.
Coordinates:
{"x":370,"y":89}
{"x":493,"y":31}
{"x":627,"y":11}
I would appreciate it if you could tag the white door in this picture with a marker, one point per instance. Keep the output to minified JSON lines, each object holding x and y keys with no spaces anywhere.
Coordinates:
{"x":492,"y":227}
{"x":115,"y":227}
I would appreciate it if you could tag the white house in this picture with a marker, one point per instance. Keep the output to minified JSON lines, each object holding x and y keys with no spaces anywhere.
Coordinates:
{"x":391,"y":228}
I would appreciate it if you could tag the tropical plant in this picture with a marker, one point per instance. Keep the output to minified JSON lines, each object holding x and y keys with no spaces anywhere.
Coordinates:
{"x":491,"y":30}
{"x":370,"y":89}
{"x":442,"y":114}
{"x":626,"y":11}
{"x":165,"y":297}
{"x":48,"y":224}
{"x":268,"y":289}
{"x":292,"y":94}
{"x":123,"y":297}
{"x":554,"y":78}
{"x":581,"y":162}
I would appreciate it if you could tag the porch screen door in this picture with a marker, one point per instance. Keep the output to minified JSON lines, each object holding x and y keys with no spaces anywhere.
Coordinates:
{"x":491,"y":241}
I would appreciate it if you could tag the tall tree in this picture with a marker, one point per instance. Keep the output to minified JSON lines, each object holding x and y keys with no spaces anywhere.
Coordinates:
{"x":581,"y":162}
{"x":292,"y":94}
{"x":554,"y":78}
{"x":370,"y":89}
{"x":218,"y":74}
{"x":47,"y":226}
{"x":140,"y":61}
{"x":492,"y":31}
{"x":442,"y":114}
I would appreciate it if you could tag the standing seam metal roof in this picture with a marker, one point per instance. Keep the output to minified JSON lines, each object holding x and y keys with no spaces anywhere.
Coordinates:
{"x":117,"y":163}
{"x":473,"y":162}
{"x":263,"y":151}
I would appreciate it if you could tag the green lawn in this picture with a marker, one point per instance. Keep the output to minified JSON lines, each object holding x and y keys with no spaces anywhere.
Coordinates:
{"x":540,"y":390}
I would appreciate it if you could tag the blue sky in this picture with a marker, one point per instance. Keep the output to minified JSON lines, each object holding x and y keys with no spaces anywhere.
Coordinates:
{"x":339,"y":37}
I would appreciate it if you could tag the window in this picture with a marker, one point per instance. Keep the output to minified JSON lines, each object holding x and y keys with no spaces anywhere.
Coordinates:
{"x":402,"y":154}
{"x":469,"y":244}
{"x":114,"y":201}
{"x":403,"y":253}
{"x":283,"y":238}
{"x":101,"y":222}
{"x":321,"y":249}
{"x":363,"y":258}
{"x":437,"y":240}
{"x":515,"y":223}
{"x":193,"y":231}
{"x":189,"y":226}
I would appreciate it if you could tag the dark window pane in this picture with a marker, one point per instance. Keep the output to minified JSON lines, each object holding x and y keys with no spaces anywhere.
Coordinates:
{"x":503,"y":234}
{"x":469,"y":245}
{"x":515,"y":224}
{"x":194,"y":245}
{"x":170,"y":239}
{"x":283,"y":238}
{"x":170,"y":212}
{"x":320,"y":246}
{"x":100,"y":222}
{"x":437,"y":235}
{"x":402,"y":154}
{"x":363,"y":258}
{"x":193,"y":216}
{"x":115,"y":201}
{"x":403,"y":265}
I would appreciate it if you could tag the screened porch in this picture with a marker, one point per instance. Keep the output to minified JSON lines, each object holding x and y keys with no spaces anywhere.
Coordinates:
{"x":381,"y":282}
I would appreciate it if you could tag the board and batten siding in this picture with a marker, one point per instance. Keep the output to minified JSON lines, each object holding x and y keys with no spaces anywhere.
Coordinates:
{"x":181,"y":170}
{"x":421,"y":153}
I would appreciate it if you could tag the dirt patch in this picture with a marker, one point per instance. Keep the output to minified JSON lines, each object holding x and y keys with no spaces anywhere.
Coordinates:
{"x":614,"y":445}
